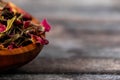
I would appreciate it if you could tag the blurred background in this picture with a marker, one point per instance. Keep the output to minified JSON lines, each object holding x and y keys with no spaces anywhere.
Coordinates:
{"x":80,"y":29}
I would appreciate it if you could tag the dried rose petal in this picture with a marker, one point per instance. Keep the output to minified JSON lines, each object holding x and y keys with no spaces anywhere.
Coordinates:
{"x":12,"y":46}
{"x":44,"y":42}
{"x":27,"y":17}
{"x":37,"y":39}
{"x":2,"y":27}
{"x":46,"y":25}
{"x":26,"y":24}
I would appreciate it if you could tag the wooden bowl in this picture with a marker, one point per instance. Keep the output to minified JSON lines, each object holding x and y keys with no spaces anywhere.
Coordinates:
{"x":11,"y":59}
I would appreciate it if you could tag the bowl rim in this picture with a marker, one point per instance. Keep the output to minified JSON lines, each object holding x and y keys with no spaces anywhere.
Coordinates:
{"x":20,"y":50}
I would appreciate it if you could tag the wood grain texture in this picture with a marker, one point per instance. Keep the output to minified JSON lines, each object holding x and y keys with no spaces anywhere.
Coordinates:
{"x":59,"y":77}
{"x":72,"y":65}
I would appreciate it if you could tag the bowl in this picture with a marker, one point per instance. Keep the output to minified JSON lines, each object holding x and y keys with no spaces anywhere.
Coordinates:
{"x":12,"y":59}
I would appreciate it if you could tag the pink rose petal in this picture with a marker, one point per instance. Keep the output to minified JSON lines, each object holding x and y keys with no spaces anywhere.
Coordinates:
{"x":12,"y":46}
{"x":40,"y":40}
{"x":2,"y":28}
{"x":46,"y":25}
{"x":44,"y":42}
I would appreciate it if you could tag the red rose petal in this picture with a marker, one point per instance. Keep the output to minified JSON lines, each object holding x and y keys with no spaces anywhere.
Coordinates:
{"x":2,"y":27}
{"x":26,"y":24}
{"x":46,"y":25}
{"x":27,"y":17}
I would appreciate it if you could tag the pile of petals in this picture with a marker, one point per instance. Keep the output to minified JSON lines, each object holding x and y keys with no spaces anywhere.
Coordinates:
{"x":18,"y":30}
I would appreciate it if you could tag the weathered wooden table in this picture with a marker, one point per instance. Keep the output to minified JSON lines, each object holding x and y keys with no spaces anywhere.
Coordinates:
{"x":84,"y":43}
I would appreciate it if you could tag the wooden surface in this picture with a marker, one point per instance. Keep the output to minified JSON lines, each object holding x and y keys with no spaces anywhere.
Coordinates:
{"x":84,"y":42}
{"x":59,"y":77}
